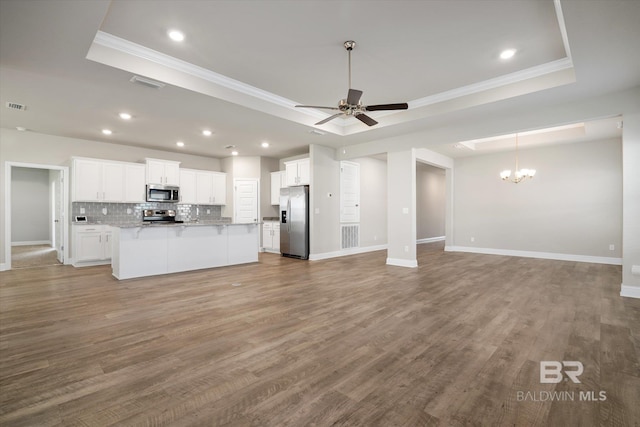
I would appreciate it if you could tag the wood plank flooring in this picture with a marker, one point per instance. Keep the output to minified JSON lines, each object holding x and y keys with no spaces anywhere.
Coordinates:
{"x":348,"y":342}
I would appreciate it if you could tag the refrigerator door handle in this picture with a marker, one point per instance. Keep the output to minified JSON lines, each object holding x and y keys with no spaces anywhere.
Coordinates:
{"x":289,"y":214}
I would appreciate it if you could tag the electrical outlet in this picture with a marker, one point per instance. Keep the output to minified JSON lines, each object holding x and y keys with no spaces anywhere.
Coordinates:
{"x":82,"y":210}
{"x":473,"y":239}
{"x":208,"y":211}
{"x":406,"y":248}
{"x":375,"y":237}
{"x":612,"y":247}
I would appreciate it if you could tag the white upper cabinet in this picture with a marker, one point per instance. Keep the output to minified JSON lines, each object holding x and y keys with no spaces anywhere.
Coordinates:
{"x":134,"y":183}
{"x":298,"y":172}
{"x":87,"y":180}
{"x":219,"y":188}
{"x":188,"y":186}
{"x":97,"y":181}
{"x":165,"y":172}
{"x":278,"y":181}
{"x":203,"y":187}
{"x":112,"y":182}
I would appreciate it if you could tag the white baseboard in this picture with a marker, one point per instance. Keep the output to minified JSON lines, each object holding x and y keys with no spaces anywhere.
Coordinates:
{"x":31,"y":243}
{"x":3,"y":267}
{"x":402,"y":262}
{"x":345,"y":252}
{"x":630,"y":291}
{"x":542,"y":255}
{"x":430,"y":240}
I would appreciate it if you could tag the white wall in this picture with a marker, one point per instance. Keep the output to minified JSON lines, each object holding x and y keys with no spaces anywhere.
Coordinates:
{"x":30,"y":205}
{"x":572,"y":206}
{"x":430,"y":201}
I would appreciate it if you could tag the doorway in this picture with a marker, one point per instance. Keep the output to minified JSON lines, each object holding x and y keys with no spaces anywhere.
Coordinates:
{"x":36,"y":206}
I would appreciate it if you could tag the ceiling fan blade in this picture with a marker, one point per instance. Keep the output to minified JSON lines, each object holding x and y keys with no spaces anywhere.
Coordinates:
{"x":316,"y":106}
{"x":354,"y":96}
{"x":366,"y":119}
{"x":321,"y":122}
{"x":381,"y":107}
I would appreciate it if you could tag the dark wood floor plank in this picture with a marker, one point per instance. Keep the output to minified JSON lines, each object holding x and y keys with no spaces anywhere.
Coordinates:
{"x":347,"y":341}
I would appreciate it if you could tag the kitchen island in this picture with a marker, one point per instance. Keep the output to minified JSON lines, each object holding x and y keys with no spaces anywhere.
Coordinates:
{"x":148,"y":250}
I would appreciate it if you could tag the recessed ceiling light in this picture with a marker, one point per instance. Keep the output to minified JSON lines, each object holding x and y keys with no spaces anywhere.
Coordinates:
{"x":107,"y":131}
{"x":207,"y":132}
{"x":265,"y":144}
{"x":234,"y":153}
{"x":507,"y":53}
{"x":180,"y":144}
{"x":125,"y":116}
{"x":176,"y":35}
{"x":21,"y":129}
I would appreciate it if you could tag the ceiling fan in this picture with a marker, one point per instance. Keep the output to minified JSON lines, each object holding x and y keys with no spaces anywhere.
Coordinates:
{"x":352,"y":106}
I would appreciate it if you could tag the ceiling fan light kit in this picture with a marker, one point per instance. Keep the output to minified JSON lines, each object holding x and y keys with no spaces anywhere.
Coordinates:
{"x":352,"y":105}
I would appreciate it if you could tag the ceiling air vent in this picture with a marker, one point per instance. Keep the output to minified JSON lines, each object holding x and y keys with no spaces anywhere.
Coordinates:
{"x":16,"y":106}
{"x":147,"y":82}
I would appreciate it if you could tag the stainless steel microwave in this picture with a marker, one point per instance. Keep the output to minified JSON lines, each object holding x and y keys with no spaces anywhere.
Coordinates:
{"x":163,"y":193}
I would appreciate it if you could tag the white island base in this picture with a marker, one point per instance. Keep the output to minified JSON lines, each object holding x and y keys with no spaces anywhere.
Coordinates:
{"x":140,"y":251}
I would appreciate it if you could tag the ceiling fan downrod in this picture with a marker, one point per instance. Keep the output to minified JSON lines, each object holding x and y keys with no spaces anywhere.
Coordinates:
{"x":349,"y":45}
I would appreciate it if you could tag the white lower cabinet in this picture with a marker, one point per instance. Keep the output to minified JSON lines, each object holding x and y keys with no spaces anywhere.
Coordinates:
{"x":271,"y":236}
{"x":149,"y":251}
{"x":92,"y":244}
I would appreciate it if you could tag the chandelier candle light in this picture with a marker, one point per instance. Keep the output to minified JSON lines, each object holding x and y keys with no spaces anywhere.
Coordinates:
{"x":520,"y":174}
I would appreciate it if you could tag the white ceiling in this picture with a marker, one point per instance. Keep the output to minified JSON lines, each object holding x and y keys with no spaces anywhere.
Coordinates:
{"x":244,"y":64}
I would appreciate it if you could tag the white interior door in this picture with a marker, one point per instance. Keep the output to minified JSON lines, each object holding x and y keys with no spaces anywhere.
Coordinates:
{"x":349,"y":192}
{"x":58,"y":216}
{"x":245,"y":201}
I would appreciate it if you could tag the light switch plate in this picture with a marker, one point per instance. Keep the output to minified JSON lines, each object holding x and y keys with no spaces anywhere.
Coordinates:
{"x":405,"y":210}
{"x":635,"y":270}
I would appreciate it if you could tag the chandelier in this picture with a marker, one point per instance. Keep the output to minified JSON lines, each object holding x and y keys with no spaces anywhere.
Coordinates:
{"x":520,"y":174}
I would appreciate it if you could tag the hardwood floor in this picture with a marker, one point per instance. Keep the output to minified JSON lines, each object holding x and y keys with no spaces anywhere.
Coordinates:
{"x":347,"y":341}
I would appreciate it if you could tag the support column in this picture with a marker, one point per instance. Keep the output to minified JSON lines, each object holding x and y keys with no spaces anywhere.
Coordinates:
{"x":401,"y":209}
{"x":631,"y":206}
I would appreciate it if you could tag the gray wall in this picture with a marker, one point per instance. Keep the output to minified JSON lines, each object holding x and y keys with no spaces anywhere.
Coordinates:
{"x":324,"y":216}
{"x":30,"y":205}
{"x":430,"y":201}
{"x":572,"y":206}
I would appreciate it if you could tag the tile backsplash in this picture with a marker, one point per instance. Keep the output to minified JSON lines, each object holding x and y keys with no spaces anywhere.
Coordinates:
{"x":117,"y":213}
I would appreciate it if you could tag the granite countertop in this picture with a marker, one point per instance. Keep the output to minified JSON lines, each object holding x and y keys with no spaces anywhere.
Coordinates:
{"x":133,"y":224}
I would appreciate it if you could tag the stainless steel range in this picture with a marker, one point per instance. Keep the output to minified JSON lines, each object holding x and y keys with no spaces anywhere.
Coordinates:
{"x":159,"y":216}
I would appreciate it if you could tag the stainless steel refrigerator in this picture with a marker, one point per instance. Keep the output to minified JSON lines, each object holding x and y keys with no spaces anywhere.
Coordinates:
{"x":294,"y":222}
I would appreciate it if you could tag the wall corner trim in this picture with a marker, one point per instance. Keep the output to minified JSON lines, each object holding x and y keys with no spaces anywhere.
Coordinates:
{"x":629,"y":291}
{"x":410,"y":263}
